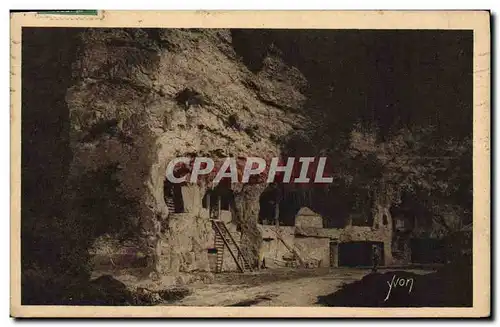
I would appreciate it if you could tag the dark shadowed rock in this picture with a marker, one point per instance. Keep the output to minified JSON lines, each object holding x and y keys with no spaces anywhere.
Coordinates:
{"x":451,"y":286}
{"x":110,"y":291}
{"x":174,"y":294}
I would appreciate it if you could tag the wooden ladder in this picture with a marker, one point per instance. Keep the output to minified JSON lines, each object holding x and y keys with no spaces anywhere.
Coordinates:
{"x":223,"y":238}
{"x":219,"y":245}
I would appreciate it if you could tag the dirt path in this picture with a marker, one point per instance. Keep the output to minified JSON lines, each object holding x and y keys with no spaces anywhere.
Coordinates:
{"x":296,"y":291}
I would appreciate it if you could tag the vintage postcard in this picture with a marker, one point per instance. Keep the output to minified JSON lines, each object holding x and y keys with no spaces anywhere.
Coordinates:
{"x":250,"y":164}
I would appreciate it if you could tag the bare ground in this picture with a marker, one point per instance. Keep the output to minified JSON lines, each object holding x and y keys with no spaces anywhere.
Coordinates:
{"x":280,"y":287}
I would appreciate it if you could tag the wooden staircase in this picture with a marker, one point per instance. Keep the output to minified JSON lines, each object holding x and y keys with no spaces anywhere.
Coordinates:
{"x":170,"y":204}
{"x":224,"y":239}
{"x":219,"y":245}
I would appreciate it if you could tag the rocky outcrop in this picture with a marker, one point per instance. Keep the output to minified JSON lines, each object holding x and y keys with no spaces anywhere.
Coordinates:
{"x":143,"y":97}
{"x":185,"y":242}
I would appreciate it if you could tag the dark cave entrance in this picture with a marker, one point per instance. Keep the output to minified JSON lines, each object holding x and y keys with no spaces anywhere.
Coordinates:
{"x":172,"y":194}
{"x":359,"y":253}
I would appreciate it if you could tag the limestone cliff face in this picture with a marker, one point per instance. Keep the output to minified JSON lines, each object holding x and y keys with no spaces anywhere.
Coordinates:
{"x":142,"y":97}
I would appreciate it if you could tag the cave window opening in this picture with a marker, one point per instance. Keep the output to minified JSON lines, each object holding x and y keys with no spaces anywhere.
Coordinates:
{"x":384,"y":220}
{"x":172,"y":194}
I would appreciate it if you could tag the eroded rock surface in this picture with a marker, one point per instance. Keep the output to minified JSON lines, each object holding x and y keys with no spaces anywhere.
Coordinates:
{"x":143,"y":97}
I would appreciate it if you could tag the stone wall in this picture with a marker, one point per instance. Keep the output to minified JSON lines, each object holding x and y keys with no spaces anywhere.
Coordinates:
{"x":364,"y":233}
{"x":317,"y":246}
{"x":192,"y":196}
{"x":272,"y":248}
{"x":314,"y":250}
{"x":185,"y":244}
{"x":309,"y":221}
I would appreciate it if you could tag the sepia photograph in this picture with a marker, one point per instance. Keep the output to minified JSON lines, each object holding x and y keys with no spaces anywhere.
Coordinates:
{"x":260,"y":167}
